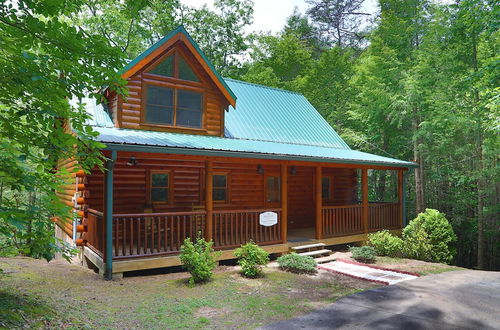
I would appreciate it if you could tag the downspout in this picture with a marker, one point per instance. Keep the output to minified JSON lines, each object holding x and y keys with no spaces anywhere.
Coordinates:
{"x":109,"y":215}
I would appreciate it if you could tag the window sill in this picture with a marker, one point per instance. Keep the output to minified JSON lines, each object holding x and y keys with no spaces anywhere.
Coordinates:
{"x":175,"y":128}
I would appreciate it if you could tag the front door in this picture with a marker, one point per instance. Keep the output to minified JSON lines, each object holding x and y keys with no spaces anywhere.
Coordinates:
{"x":301,"y":205}
{"x":272,"y":186}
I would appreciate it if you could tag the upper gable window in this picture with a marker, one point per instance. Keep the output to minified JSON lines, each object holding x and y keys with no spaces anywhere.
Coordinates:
{"x":165,"y":68}
{"x":175,"y":66}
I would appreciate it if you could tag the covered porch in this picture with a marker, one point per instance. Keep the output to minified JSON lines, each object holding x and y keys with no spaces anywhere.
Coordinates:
{"x":120,"y":238}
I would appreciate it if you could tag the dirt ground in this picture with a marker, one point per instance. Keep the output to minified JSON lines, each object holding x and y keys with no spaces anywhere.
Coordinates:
{"x":37,"y":294}
{"x":34,"y":293}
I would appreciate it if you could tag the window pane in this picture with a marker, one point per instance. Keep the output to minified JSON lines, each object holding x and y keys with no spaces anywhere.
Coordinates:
{"x":273,"y":189}
{"x":219,"y":194}
{"x":189,"y":118}
{"x":165,"y":68}
{"x":189,"y":100}
{"x":160,"y":96}
{"x":159,"y":107}
{"x":159,"y":115}
{"x":159,"y":194}
{"x":159,"y":180}
{"x":219,"y":181}
{"x":185,"y":71}
{"x":325,"y":188}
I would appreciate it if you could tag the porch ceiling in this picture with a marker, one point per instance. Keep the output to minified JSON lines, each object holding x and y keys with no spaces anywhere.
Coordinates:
{"x":152,"y":141}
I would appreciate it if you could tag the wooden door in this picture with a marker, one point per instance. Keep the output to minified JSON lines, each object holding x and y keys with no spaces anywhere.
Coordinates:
{"x":272,"y":189}
{"x":301,"y":203}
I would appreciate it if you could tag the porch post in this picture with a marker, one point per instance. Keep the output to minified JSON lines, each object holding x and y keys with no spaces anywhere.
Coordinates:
{"x":405,"y":220}
{"x":400,"y":196}
{"x":364,"y":184}
{"x":208,"y":200}
{"x":108,"y":215}
{"x":284,"y":202}
{"x":319,"y":204}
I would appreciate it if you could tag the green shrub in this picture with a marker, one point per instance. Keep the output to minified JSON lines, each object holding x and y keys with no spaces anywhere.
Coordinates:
{"x":386,"y":244}
{"x":428,"y":237}
{"x":363,"y":253}
{"x":417,"y":245}
{"x":251,"y":258}
{"x":297,"y":263}
{"x":198,"y":259}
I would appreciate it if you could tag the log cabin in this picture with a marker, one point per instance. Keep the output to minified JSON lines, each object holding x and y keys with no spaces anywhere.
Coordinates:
{"x":192,"y":153}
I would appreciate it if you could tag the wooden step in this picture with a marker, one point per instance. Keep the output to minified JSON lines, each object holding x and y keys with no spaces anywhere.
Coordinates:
{"x":309,"y":246}
{"x":323,"y":260}
{"x":315,"y":253}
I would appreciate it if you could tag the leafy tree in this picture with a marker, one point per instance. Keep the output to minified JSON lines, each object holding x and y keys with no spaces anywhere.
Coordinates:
{"x":338,"y":20}
{"x":300,"y":26}
{"x":221,"y":33}
{"x":45,"y":61}
{"x":131,"y":26}
{"x":279,"y":61}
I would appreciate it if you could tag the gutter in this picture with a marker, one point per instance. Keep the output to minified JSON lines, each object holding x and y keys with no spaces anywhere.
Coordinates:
{"x":255,"y":155}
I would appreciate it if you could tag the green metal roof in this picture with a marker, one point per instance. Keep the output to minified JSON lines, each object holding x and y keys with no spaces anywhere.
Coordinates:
{"x":269,"y":123}
{"x":270,"y":114}
{"x":152,"y":141}
{"x":179,"y":29}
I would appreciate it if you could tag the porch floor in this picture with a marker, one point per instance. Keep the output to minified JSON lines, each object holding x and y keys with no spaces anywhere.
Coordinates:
{"x":297,"y":235}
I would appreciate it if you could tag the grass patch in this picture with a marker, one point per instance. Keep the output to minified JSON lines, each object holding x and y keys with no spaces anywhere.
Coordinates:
{"x":60,"y":295}
{"x":415,"y":266}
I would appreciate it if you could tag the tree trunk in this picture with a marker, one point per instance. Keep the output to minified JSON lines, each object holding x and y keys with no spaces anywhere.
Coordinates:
{"x":481,"y":262}
{"x":419,"y":186}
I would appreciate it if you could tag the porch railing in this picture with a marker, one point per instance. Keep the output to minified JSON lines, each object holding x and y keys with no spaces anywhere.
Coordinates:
{"x":342,"y":220}
{"x":383,"y":216}
{"x":148,"y":234}
{"x":232,"y":228}
{"x":95,"y":232}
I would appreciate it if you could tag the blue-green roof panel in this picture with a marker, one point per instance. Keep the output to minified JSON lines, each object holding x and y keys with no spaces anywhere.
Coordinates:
{"x":237,"y":147}
{"x":270,"y":114}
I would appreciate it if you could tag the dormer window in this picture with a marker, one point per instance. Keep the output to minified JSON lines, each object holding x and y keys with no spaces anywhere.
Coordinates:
{"x":167,"y":101}
{"x":175,"y":66}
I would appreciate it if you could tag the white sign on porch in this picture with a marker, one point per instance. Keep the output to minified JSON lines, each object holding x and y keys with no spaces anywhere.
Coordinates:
{"x":268,"y":219}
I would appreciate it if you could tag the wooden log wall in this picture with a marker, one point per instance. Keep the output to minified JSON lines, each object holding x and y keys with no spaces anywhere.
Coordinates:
{"x":246,"y":186}
{"x":344,"y":186}
{"x":67,"y":192}
{"x":129,"y":108}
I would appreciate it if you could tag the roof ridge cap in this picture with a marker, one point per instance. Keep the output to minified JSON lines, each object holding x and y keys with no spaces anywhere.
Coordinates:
{"x":263,"y":86}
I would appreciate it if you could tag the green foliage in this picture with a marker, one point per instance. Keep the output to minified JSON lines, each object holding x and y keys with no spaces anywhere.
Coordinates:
{"x":386,"y":244}
{"x":49,"y":61}
{"x":363,"y":253}
{"x":429,"y":237}
{"x":297,"y":263}
{"x":199,"y":259}
{"x":251,"y":258}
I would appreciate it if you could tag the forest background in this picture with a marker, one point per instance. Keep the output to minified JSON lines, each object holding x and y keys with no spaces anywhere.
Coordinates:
{"x":420,"y":81}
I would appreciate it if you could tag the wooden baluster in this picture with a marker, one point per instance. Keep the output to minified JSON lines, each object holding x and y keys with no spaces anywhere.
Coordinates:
{"x":145,"y":235}
{"x":158,"y":234}
{"x":139,"y":221}
{"x":131,"y":236}
{"x":242,"y":229}
{"x":171,"y":233}
{"x":246,"y":227}
{"x":115,"y":234}
{"x":124,"y":236}
{"x":178,"y":226}
{"x":165,"y":233}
